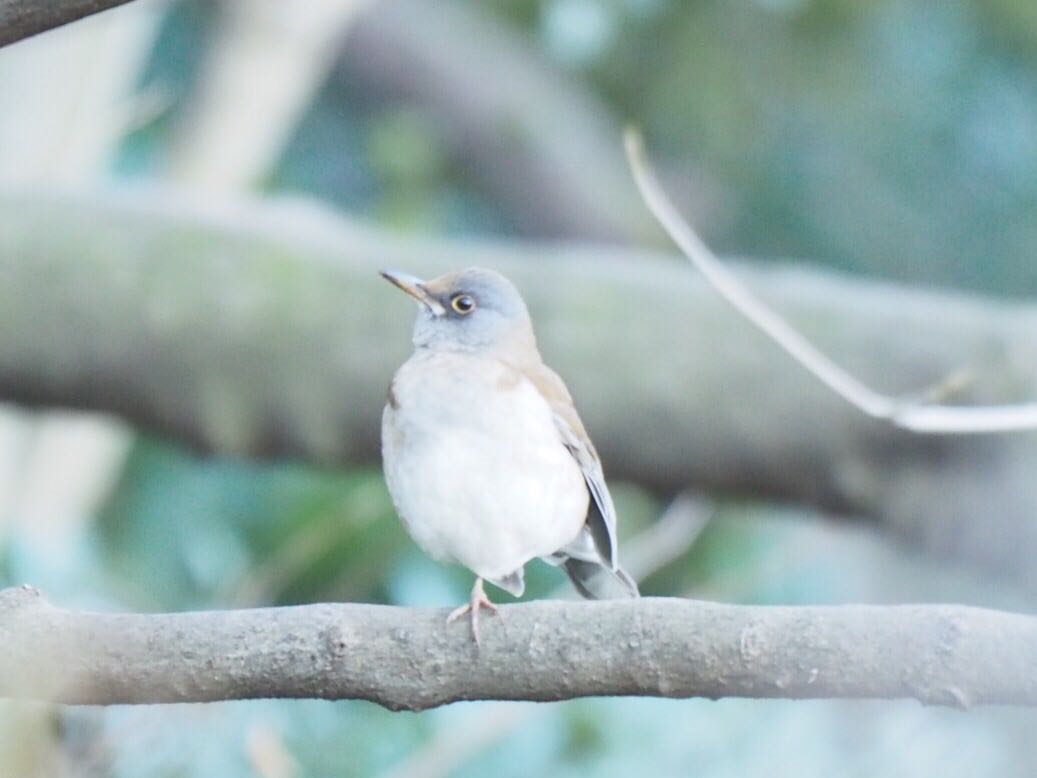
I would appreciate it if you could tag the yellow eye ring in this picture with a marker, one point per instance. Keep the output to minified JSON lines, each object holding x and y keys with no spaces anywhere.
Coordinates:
{"x":462,"y":303}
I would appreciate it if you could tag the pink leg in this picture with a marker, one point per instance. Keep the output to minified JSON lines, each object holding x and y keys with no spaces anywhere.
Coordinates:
{"x":478,"y":600}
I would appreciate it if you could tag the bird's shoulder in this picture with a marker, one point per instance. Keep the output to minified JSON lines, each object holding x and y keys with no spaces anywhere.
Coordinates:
{"x":552,"y":388}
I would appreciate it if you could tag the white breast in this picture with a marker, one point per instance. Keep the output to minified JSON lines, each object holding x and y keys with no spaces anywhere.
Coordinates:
{"x":475,"y":465}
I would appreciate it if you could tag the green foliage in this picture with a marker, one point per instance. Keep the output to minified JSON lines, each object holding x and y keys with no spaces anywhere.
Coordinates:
{"x":892,"y":138}
{"x":183,"y":531}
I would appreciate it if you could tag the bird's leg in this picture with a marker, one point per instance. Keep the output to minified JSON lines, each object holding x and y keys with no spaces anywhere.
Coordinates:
{"x":477,"y":600}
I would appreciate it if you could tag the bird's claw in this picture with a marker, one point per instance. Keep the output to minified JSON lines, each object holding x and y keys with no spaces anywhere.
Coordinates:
{"x":478,"y":600}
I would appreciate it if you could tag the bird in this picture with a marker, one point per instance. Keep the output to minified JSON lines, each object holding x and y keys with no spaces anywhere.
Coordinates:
{"x":485,"y":457}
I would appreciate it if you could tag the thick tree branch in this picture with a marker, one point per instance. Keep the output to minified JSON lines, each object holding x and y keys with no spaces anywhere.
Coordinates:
{"x":23,"y":18}
{"x":264,"y":329}
{"x":548,"y":650}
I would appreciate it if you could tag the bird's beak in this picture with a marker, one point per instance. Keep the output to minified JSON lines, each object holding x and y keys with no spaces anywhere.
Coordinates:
{"x":413,"y":286}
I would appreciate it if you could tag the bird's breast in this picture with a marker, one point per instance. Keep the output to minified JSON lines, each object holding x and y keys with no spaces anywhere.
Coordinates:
{"x":475,"y":464}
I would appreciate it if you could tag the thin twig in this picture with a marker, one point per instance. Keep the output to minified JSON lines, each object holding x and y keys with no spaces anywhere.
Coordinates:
{"x":908,"y":414}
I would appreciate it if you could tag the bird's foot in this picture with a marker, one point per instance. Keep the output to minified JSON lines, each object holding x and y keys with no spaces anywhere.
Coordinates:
{"x":478,"y":600}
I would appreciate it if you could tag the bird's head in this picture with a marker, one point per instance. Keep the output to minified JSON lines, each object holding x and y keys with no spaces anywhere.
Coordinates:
{"x":471,"y":310}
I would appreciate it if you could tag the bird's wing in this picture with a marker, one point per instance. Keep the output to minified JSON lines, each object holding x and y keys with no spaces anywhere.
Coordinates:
{"x":601,"y":516}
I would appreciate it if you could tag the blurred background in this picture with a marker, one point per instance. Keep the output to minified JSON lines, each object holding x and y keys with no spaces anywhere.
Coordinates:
{"x":891,"y":142}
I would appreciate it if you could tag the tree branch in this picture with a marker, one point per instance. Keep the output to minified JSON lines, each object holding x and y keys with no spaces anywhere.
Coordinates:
{"x":262,"y":328}
{"x":496,"y":100}
{"x":406,"y":658}
{"x":24,"y":18}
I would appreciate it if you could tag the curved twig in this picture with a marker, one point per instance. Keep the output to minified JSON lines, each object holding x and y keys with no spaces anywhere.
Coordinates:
{"x":908,"y":414}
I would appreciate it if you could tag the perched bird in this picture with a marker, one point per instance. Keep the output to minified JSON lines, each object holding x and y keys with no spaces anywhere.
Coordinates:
{"x":486,"y":459}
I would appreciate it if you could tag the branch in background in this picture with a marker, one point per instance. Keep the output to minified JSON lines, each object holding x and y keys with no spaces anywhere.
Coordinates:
{"x":407,"y":658}
{"x":64,"y":465}
{"x":259,"y":75}
{"x":23,"y":18}
{"x":90,"y":71}
{"x":907,"y":413}
{"x":263,"y":329}
{"x":499,"y":104}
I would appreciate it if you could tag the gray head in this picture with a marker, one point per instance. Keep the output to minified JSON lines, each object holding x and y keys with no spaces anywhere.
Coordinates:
{"x":473,"y":310}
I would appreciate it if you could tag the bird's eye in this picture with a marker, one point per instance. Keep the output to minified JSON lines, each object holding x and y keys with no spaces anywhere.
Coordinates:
{"x":462,"y":303}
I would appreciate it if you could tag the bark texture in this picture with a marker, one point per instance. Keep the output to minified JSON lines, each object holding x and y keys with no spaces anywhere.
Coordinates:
{"x":405,"y":658}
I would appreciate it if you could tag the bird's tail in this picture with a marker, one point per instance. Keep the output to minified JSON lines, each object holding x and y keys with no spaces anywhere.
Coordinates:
{"x":597,"y":582}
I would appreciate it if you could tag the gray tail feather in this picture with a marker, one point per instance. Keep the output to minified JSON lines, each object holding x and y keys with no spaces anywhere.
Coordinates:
{"x":596,"y":582}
